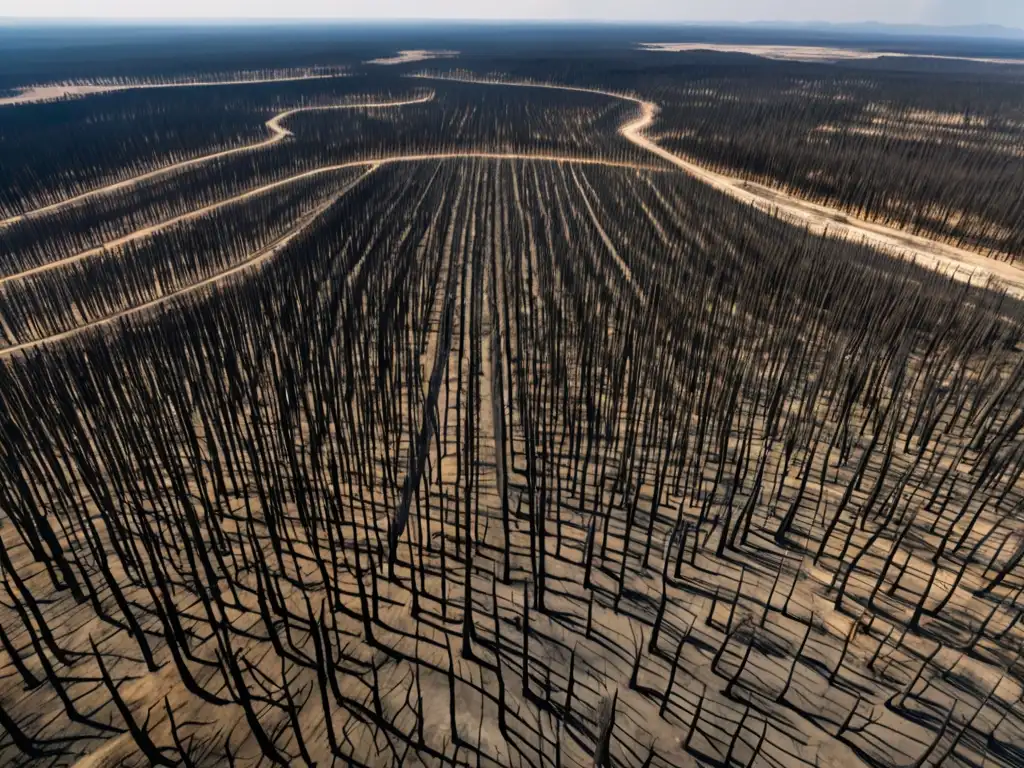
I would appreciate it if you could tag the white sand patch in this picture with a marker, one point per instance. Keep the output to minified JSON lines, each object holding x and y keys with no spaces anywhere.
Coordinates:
{"x":808,"y":52}
{"x":36,"y":93}
{"x":407,"y":57}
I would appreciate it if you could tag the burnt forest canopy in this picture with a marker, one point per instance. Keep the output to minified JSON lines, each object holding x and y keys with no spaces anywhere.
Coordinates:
{"x":514,"y":394}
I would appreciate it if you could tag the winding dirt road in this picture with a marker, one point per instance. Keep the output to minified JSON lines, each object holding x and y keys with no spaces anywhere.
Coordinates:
{"x":277,"y":133}
{"x":961,"y":264}
{"x":278,"y":244}
{"x":147,"y":231}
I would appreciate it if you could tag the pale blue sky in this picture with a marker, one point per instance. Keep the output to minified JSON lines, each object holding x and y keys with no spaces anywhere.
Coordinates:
{"x":953,"y":12}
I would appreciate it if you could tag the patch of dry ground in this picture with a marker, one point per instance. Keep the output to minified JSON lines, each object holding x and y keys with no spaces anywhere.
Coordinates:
{"x":756,"y":605}
{"x":408,"y":57}
{"x":809,"y":52}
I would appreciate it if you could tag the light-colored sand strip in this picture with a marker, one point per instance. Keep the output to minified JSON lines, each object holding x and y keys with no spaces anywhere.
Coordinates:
{"x":961,"y":264}
{"x":408,"y":57}
{"x":35,"y":94}
{"x":277,"y":133}
{"x":811,"y":53}
{"x":254,"y":259}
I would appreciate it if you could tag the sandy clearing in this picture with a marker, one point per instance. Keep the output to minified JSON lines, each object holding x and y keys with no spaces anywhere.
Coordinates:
{"x":961,"y":264}
{"x":407,"y":57}
{"x":277,"y":131}
{"x":35,"y":94}
{"x":810,"y":53}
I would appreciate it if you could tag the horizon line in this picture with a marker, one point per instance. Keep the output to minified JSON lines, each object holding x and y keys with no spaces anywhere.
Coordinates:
{"x":497,"y":20}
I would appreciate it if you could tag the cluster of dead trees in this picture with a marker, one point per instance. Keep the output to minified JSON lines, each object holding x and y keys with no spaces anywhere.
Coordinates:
{"x":79,"y":271}
{"x":105,"y":282}
{"x":50,"y":235}
{"x":55,"y":151}
{"x":940,"y":159}
{"x":523,"y":463}
{"x":276,"y":73}
{"x":928,"y":150}
{"x":466,"y":117}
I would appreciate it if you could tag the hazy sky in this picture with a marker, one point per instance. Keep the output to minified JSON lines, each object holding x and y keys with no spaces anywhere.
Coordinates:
{"x":1006,"y":12}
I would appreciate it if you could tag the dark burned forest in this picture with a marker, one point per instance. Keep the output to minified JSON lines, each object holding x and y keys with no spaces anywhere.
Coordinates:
{"x":372,"y":419}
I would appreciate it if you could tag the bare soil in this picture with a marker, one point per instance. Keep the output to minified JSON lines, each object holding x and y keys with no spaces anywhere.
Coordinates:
{"x":408,"y":57}
{"x":809,"y":53}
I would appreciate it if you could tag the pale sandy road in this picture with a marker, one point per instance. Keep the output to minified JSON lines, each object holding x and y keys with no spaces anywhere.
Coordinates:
{"x":820,"y":219}
{"x":277,"y":133}
{"x":961,"y":264}
{"x":568,"y":159}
